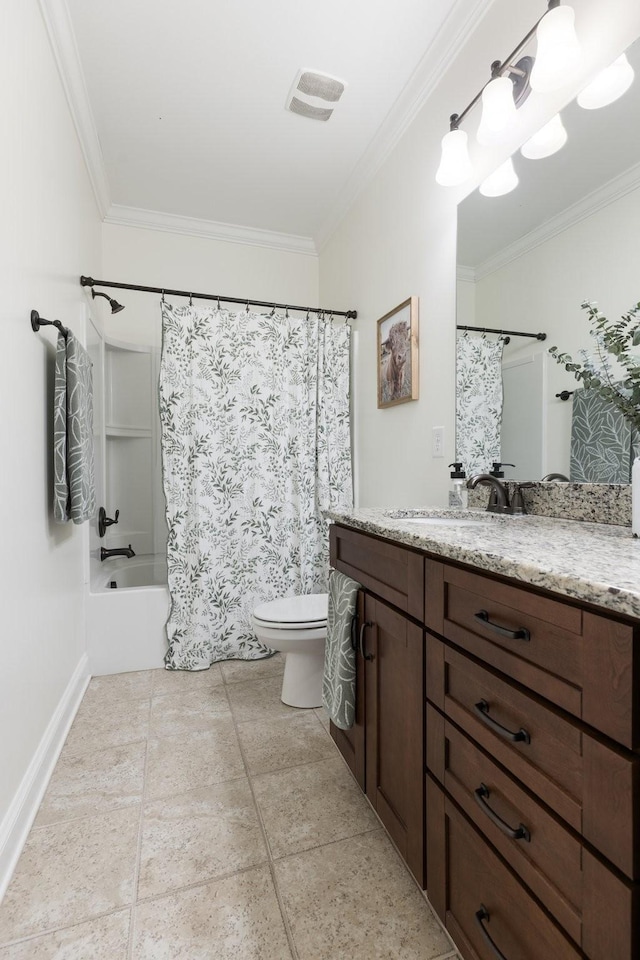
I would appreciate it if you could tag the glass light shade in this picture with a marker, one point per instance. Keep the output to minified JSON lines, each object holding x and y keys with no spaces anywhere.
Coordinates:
{"x":503,"y":180}
{"x":455,"y":165}
{"x":558,"y":50}
{"x":498,"y":110}
{"x":608,"y":85}
{"x":551,"y":138}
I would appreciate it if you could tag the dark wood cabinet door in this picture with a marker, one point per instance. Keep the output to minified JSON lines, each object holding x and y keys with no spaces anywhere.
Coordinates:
{"x":351,"y":742}
{"x":393,"y":648}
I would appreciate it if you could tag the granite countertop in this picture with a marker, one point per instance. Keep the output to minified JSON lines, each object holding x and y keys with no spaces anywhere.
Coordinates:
{"x":592,"y":562}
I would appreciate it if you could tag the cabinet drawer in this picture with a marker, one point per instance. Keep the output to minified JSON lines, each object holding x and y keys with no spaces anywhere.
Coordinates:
{"x":580,"y":661}
{"x":590,"y":785}
{"x":541,"y":850}
{"x":390,"y":571}
{"x":477,"y":897}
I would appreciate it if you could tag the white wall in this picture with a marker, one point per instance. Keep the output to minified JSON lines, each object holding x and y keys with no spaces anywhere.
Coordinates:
{"x":399,"y":239}
{"x":596,"y":259}
{"x":49,"y":234}
{"x":156,"y":258}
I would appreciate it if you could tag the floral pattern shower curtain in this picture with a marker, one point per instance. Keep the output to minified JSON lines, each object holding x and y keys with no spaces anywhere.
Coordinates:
{"x":478,"y":402}
{"x":255,"y":433}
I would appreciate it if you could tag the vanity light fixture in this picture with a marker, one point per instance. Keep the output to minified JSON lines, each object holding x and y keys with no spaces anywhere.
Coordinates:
{"x":608,"y":86}
{"x":558,"y":50}
{"x":501,"y":181}
{"x":547,"y":141}
{"x":498,"y":109}
{"x":510,"y":84}
{"x":455,"y":165}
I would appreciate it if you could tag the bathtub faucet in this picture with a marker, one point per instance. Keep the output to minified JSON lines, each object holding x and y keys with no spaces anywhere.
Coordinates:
{"x":118,"y":552}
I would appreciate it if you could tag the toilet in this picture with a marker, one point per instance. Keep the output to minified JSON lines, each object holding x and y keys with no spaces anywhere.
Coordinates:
{"x":297,"y":626}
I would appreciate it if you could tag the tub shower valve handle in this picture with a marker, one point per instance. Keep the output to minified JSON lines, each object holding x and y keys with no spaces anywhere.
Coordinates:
{"x":104,"y":521}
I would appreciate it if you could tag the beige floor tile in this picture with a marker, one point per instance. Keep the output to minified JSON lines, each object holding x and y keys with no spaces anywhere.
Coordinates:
{"x":240,"y":671}
{"x":355,"y":899}
{"x":197,"y":836}
{"x":178,"y":764}
{"x":236,"y":918}
{"x":119,"y":686}
{"x":323,"y":716}
{"x":98,"y":726}
{"x":185,"y":681}
{"x":284,"y":742}
{"x":69,"y":872}
{"x":306,"y":806}
{"x":104,"y":939}
{"x":257,"y":699}
{"x":184,"y":713}
{"x":94,"y":783}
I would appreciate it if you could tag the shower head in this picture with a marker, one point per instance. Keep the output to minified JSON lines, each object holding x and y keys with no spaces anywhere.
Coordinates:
{"x":115,"y":306}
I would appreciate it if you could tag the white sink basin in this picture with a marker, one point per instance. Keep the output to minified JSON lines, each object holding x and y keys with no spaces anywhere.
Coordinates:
{"x":440,"y":518}
{"x":443,"y":521}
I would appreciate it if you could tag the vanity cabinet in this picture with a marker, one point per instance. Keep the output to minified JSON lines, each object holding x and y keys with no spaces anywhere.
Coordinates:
{"x":532,"y":733}
{"x":528,"y":753}
{"x":385,"y":747}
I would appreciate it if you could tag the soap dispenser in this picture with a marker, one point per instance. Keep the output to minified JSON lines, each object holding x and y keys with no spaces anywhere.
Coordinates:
{"x":496,"y":469}
{"x":458,"y":494}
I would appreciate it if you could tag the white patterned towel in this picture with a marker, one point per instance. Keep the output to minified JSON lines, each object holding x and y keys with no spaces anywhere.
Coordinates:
{"x":74,"y":496}
{"x":339,"y":682}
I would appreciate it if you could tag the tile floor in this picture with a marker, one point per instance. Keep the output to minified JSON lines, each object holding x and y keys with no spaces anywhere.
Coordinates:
{"x":193,"y":817}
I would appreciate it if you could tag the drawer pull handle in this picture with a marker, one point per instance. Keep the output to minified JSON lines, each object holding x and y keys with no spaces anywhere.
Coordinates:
{"x":521,"y":634}
{"x":481,"y":915}
{"x":363,"y":627}
{"x":354,"y":632}
{"x":482,"y":794}
{"x":519,"y":736}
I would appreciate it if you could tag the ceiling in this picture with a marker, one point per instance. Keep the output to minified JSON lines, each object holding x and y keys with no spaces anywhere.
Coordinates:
{"x":188,"y":100}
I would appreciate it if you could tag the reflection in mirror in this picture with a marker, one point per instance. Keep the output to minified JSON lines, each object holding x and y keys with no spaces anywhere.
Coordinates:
{"x":526,"y":261}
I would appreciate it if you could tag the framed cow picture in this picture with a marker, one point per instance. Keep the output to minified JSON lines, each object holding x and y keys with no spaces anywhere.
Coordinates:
{"x":398,"y":354}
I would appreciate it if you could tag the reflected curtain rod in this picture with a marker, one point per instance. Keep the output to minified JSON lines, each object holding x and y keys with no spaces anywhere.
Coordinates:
{"x":504,"y":333}
{"x":165,"y":291}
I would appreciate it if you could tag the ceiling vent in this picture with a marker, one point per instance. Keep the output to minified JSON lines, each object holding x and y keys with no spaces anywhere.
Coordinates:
{"x":310,"y":93}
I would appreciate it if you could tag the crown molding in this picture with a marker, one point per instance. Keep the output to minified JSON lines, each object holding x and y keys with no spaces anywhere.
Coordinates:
{"x":57,"y":20}
{"x":447,"y":43}
{"x":465,"y":274}
{"x":208,"y":229}
{"x":611,"y":191}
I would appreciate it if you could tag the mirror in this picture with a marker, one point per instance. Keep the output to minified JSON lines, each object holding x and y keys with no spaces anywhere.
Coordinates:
{"x":569,"y":232}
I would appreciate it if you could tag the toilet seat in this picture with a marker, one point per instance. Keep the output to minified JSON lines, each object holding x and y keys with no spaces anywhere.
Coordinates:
{"x":305,"y":612}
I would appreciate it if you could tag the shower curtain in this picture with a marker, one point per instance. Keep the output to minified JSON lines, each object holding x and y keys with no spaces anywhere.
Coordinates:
{"x":255,"y":434}
{"x":478,"y":402}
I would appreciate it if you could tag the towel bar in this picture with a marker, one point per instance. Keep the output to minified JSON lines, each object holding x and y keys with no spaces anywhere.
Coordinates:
{"x":37,"y":321}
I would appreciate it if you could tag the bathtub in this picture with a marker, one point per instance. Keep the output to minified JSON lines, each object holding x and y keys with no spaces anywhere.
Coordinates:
{"x":127,"y":609}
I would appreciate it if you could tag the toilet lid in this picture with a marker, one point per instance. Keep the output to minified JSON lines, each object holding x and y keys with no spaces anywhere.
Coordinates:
{"x":308,"y":610}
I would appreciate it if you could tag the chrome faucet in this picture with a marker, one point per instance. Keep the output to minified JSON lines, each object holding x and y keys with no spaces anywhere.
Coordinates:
{"x":501,"y":503}
{"x":555,"y":476}
{"x":118,"y":552}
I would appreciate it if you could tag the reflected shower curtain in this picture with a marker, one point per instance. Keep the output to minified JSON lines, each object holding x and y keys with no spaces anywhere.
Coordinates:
{"x":478,"y":402}
{"x":255,"y":431}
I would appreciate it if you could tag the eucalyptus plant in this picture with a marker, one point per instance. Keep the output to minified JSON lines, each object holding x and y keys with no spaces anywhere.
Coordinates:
{"x":616,"y":339}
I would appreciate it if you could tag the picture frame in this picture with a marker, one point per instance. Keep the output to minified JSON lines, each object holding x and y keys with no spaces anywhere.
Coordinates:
{"x":397,"y":354}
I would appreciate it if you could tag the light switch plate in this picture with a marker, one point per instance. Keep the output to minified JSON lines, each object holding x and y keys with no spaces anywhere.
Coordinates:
{"x":437,"y":442}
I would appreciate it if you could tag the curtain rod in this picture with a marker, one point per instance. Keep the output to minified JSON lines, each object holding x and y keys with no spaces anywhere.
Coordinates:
{"x":90,"y":282}
{"x":505,"y":333}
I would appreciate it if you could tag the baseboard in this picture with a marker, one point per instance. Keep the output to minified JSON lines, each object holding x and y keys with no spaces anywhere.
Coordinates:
{"x":15,"y":826}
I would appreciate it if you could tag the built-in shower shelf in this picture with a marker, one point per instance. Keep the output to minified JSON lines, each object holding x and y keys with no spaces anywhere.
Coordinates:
{"x":111,"y":430}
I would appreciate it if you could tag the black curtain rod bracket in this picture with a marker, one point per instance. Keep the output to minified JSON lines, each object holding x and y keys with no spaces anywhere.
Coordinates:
{"x":504,"y":333}
{"x":165,"y":291}
{"x":37,"y":321}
